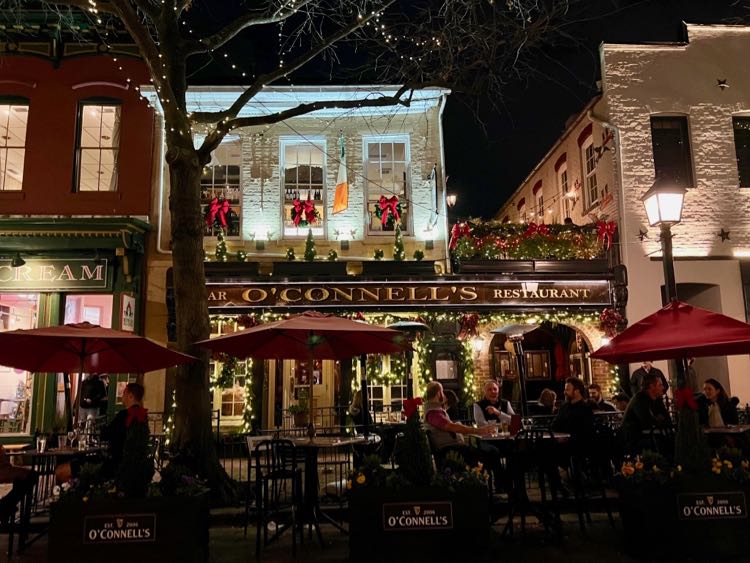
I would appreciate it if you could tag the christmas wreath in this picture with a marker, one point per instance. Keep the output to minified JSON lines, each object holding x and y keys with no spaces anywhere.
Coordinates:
{"x":218,"y":213}
{"x":609,"y":322}
{"x":304,"y":213}
{"x":388,"y":210}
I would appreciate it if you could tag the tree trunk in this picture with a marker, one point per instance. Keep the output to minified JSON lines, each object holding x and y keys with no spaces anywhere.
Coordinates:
{"x":193,"y":429}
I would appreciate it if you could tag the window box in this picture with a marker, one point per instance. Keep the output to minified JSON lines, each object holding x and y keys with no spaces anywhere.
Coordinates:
{"x":398,"y":268}
{"x":297,"y":268}
{"x":155,"y":529}
{"x":374,"y":536}
{"x":493,"y":266}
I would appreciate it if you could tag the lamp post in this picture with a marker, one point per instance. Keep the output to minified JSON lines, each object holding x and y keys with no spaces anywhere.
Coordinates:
{"x":663,"y":202}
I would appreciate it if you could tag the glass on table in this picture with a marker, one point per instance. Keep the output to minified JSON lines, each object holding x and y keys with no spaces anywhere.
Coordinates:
{"x":504,"y":429}
{"x":527,"y":423}
{"x":495,"y":432}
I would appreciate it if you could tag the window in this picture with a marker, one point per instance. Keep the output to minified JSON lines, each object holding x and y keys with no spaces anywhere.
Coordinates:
{"x":221,"y":191}
{"x":98,"y":146}
{"x":303,"y":187}
{"x":671,"y":143}
{"x":388,"y":388}
{"x":540,"y":207}
{"x":522,"y":216}
{"x":386,"y":168}
{"x":13,"y":117}
{"x":589,"y":173}
{"x":741,"y":127}
{"x":564,"y":189}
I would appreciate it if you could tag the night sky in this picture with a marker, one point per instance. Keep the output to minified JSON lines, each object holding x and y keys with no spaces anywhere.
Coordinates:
{"x":485,"y":169}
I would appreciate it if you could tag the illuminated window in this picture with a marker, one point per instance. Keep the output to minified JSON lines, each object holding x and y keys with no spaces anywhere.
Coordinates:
{"x":98,"y":146}
{"x":564,"y":189}
{"x":741,"y":126}
{"x":589,"y":173}
{"x":303,"y":181}
{"x":13,"y":117}
{"x":221,"y":190}
{"x":387,"y":171}
{"x":671,"y":144}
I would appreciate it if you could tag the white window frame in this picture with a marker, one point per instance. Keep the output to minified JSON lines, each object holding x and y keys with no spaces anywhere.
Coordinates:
{"x":197,"y":142}
{"x":5,"y":148}
{"x":563,"y":187}
{"x":406,"y":227}
{"x":83,"y":105}
{"x":589,"y":174}
{"x":522,"y":217}
{"x":540,"y":205}
{"x":320,"y":231}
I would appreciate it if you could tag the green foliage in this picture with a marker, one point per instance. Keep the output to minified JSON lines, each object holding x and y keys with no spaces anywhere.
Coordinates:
{"x":299,"y":408}
{"x":418,"y":255}
{"x":241,"y":256}
{"x":332,"y":255}
{"x":225,"y":378}
{"x":493,"y":240}
{"x":398,"y":246}
{"x":136,"y":468}
{"x":310,"y":251}
{"x":378,"y":254}
{"x":413,"y":454}
{"x":221,"y":247}
{"x":455,"y":473}
{"x":290,"y":257}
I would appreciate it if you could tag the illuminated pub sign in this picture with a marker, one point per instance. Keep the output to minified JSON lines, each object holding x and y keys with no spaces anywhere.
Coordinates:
{"x":52,"y":274}
{"x":443,"y":293}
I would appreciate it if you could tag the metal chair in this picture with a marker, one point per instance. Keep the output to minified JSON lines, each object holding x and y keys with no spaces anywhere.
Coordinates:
{"x":278,"y":491}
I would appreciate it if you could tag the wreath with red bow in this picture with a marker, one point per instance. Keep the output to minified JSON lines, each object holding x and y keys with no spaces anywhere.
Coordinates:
{"x":388,"y":210}
{"x":304,"y":213}
{"x":609,"y":321}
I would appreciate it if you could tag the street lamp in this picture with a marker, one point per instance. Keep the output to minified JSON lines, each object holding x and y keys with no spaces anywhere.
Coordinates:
{"x":663,"y":202}
{"x":450,"y":199}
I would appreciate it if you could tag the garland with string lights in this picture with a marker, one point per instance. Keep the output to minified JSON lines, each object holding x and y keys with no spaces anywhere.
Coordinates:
{"x":221,"y":247}
{"x":248,"y":414}
{"x":169,"y":424}
{"x":399,"y":255}
{"x":377,"y":374}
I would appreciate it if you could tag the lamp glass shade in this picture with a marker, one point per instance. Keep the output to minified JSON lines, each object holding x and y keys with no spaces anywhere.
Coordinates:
{"x":663,"y":203}
{"x":450,"y":199}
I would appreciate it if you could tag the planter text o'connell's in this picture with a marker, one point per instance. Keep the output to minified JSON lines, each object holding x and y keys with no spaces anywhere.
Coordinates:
{"x":403,"y":516}
{"x":409,"y":294}
{"x":119,"y":528}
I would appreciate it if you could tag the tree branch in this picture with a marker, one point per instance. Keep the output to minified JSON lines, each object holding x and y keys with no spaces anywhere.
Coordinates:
{"x":248,"y":20}
{"x":147,"y":8}
{"x":269,"y":78}
{"x":104,"y":7}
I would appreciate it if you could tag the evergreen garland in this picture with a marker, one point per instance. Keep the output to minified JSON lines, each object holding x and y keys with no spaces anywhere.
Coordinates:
{"x":221,"y":247}
{"x":333,"y":255}
{"x":399,"y":255}
{"x":241,"y":256}
{"x":378,"y":254}
{"x":310,"y":251}
{"x":290,"y":257}
{"x":413,"y":453}
{"x":418,"y":255}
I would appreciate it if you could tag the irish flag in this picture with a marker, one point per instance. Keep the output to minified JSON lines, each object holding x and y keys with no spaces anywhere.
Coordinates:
{"x":341,"y":197}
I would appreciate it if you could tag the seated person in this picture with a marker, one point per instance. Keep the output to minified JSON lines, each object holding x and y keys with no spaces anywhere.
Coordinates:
{"x":597,"y":400}
{"x":446,"y":435}
{"x":545,"y":404}
{"x":451,"y":404}
{"x":645,"y":411}
{"x":715,"y":409}
{"x":360,"y":416}
{"x":621,"y":402}
{"x":575,"y":415}
{"x":491,"y":408}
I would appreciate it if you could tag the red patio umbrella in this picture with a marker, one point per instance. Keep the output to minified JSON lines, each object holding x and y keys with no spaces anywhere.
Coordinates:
{"x":679,"y":330}
{"x":309,"y":336}
{"x":85,"y":348}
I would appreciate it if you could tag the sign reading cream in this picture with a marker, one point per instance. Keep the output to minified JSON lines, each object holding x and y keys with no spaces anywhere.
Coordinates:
{"x":410,"y":294}
{"x":409,"y":516}
{"x":119,"y":528}
{"x":56,"y":274}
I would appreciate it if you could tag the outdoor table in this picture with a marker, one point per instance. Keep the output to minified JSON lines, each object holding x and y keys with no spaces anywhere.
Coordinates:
{"x":734,"y":436}
{"x":311,"y":511}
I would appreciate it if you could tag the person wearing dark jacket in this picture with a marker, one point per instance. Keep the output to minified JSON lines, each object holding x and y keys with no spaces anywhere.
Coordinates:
{"x":93,"y":392}
{"x":116,"y":431}
{"x":637,"y":379}
{"x":715,"y":409}
{"x":575,"y":415}
{"x":645,"y":411}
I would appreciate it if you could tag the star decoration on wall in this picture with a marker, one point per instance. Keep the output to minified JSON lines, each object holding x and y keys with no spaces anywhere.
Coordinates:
{"x":642,"y":234}
{"x":722,"y":83}
{"x":723,"y":235}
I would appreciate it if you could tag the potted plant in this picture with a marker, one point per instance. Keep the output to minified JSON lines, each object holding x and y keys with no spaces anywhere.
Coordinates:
{"x":300,"y":412}
{"x":414,"y":509}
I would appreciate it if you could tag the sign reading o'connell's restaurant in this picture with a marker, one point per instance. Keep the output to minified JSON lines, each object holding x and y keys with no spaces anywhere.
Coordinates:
{"x":441,"y":293}
{"x":55,"y":274}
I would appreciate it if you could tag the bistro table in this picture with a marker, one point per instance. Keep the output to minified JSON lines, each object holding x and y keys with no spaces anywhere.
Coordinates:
{"x":311,"y":512}
{"x":734,"y":436}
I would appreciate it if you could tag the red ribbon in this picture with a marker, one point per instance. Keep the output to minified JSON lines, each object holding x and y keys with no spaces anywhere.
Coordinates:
{"x":469,"y":324}
{"x":459,"y":230}
{"x":307,"y":208}
{"x":136,"y":414}
{"x":411,"y":405}
{"x":310,"y":213}
{"x":534,"y":229}
{"x":388,"y":206}
{"x":605,"y":232}
{"x":297,"y":212}
{"x":216,"y":208}
{"x":685,"y":396}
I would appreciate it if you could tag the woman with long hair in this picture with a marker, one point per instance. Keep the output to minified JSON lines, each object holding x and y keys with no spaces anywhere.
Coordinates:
{"x":716,"y":409}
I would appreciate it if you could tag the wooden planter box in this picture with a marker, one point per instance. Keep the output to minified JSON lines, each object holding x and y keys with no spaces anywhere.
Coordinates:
{"x":699,"y":517}
{"x":398,"y":268}
{"x":493,"y":266}
{"x":129,"y":530}
{"x":299,"y":268}
{"x":418,"y":523}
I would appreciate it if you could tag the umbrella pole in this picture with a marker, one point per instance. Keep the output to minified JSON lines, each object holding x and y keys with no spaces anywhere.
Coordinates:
{"x":521,"y":363}
{"x":68,"y":407}
{"x":311,"y":382}
{"x":365,"y":394}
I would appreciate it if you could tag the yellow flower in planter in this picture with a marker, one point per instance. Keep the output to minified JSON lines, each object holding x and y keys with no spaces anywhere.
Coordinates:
{"x":85,"y":499}
{"x":745,"y":464}
{"x":349,"y":484}
{"x":728,"y":464}
{"x":656,"y":469}
{"x":361,"y":479}
{"x":679,"y":468}
{"x":639,"y":465}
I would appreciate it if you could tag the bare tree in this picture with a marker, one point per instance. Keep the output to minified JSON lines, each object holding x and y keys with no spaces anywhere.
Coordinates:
{"x":471,"y":45}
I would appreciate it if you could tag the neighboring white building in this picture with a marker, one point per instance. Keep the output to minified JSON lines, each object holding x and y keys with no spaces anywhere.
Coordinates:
{"x":681,"y":111}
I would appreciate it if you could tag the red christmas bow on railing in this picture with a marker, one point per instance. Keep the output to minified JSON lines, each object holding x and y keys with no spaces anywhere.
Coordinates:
{"x":217,"y":208}
{"x":685,"y":396}
{"x":136,"y":414}
{"x":459,"y":230}
{"x":411,"y":405}
{"x":388,"y":206}
{"x":534,"y":229}
{"x":605,"y":232}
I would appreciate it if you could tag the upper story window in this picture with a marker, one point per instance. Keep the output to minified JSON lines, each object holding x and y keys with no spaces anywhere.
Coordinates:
{"x":563,"y":187}
{"x":741,"y":127}
{"x":303,"y":187}
{"x":387,"y":171}
{"x":221,"y":191}
{"x":671,"y":142}
{"x":591,"y":186}
{"x":13,"y":117}
{"x":98,"y":146}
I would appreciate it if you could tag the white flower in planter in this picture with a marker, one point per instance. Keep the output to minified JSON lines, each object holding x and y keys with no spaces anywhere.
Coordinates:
{"x":156,"y":478}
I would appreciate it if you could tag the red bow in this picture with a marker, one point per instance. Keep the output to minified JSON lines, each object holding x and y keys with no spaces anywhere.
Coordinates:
{"x":410,"y":406}
{"x":605,"y":232}
{"x":468,"y":323}
{"x":685,"y":396}
{"x":534,"y":229}
{"x":136,"y":414}
{"x":310,"y":213}
{"x":217,"y":208}
{"x":388,"y":206}
{"x":307,"y":208}
{"x":459,"y":230}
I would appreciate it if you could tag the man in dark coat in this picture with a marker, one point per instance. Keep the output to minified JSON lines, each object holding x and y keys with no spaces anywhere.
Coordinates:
{"x":636,"y":380}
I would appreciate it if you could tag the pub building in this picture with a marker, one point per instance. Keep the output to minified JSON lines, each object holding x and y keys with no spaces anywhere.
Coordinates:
{"x":275,"y":245}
